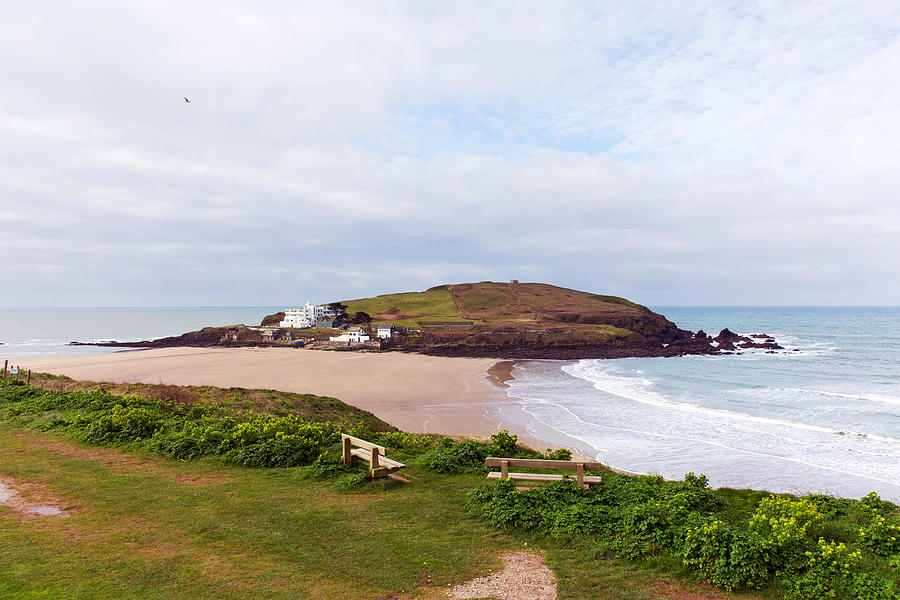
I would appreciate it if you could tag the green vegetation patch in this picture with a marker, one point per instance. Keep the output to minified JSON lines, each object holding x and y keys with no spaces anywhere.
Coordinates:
{"x":267,"y":402}
{"x":139,"y":525}
{"x":803,"y":548}
{"x":434,"y":303}
{"x":175,"y":427}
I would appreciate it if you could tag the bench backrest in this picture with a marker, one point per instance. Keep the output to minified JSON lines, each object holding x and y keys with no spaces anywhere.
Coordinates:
{"x":363,"y":443}
{"x":537,"y":463}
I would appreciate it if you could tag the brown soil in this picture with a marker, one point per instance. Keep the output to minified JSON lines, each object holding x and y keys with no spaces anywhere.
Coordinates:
{"x":523,"y":577}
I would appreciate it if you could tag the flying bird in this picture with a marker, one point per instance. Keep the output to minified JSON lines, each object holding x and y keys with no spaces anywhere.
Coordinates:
{"x":185,"y":99}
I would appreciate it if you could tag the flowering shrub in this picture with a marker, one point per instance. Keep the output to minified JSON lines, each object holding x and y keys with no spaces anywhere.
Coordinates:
{"x":832,"y":570}
{"x":880,"y":537}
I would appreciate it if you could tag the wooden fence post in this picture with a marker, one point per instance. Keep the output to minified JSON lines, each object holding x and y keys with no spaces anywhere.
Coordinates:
{"x":29,"y":377}
{"x":5,"y":364}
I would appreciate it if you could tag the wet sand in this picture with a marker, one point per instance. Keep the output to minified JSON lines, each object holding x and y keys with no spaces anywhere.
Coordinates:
{"x":416,"y":393}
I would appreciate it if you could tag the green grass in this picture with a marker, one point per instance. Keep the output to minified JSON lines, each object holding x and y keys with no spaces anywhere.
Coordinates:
{"x":141,"y":526}
{"x":268,"y":402}
{"x":436,"y":304}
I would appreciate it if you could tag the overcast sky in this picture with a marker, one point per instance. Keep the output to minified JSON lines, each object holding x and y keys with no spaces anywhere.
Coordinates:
{"x":672,"y":153}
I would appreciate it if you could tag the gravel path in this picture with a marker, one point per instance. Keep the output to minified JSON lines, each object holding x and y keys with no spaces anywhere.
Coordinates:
{"x":523,"y":577}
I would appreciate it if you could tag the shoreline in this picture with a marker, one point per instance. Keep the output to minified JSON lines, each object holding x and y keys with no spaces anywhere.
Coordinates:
{"x":462,"y":397}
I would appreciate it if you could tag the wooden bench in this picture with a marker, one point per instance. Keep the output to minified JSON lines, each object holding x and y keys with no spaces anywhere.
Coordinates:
{"x":533,"y":463}
{"x":379,"y":464}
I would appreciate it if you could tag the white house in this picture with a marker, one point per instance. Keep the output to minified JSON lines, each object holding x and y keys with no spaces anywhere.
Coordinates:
{"x":385,"y":332}
{"x":307,"y":315}
{"x":354,"y":335}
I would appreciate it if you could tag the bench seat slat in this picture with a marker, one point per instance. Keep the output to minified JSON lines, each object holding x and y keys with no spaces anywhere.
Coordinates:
{"x":537,"y":463}
{"x":543,"y":477}
{"x":383,"y":461}
{"x":363,"y":443}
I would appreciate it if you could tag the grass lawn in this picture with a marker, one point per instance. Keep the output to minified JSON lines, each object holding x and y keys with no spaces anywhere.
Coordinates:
{"x":138,"y":525}
{"x":434,"y":303}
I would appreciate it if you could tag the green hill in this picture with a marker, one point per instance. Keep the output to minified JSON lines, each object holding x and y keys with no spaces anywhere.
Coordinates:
{"x":515,"y":319}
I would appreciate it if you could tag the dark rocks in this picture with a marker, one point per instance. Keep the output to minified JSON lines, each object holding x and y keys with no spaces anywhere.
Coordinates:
{"x":727,"y":335}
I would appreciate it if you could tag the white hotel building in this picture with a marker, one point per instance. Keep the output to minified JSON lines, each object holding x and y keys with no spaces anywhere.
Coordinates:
{"x":306,"y":316}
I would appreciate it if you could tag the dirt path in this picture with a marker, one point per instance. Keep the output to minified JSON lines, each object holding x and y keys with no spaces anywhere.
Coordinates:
{"x":524,"y":577}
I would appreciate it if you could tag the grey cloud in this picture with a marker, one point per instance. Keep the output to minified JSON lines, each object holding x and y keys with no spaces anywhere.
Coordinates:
{"x":734,"y":155}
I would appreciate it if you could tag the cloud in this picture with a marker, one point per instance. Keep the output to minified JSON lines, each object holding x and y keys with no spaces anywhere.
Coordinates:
{"x":713,"y":153}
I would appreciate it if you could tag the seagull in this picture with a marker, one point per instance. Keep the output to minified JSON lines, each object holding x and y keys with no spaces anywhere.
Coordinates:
{"x":185,"y":99}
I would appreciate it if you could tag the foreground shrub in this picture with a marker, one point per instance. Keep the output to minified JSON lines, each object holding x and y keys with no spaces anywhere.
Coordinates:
{"x":174,"y":426}
{"x":779,"y":543}
{"x":122,"y":425}
{"x":468,"y":456}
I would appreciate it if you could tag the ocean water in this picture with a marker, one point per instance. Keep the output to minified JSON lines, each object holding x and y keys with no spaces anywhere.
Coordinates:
{"x":822,"y":416}
{"x":28,"y":332}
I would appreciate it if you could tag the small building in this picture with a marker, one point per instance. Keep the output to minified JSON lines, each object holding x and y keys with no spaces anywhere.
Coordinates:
{"x":386,"y":332}
{"x":307,"y":315}
{"x":267,"y":335}
{"x":326,"y":322}
{"x":231,"y":335}
{"x":354,"y":335}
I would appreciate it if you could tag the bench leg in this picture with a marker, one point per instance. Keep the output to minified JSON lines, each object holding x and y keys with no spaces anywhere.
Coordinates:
{"x":346,"y":457}
{"x":374,"y":463}
{"x":579,"y":475}
{"x":504,"y":469}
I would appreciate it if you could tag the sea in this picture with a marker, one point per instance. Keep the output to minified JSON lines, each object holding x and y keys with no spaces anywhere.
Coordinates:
{"x":30,"y":332}
{"x":821,"y":416}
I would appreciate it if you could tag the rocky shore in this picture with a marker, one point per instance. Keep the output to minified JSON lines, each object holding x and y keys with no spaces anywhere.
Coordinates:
{"x":681,"y":344}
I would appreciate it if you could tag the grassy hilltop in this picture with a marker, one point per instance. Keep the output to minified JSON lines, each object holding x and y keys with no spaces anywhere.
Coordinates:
{"x":518,"y":319}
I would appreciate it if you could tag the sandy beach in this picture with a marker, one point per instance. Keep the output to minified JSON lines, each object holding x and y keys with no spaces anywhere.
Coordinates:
{"x":416,"y":393}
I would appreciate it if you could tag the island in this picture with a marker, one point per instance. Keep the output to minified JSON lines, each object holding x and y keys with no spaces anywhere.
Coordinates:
{"x":487,"y":319}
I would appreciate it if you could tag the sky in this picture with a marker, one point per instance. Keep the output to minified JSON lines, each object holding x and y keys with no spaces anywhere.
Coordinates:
{"x":675,"y":153}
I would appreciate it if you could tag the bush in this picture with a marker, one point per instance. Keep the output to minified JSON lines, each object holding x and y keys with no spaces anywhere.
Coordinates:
{"x":122,"y":425}
{"x":327,"y":466}
{"x":779,"y":543}
{"x":503,"y":444}
{"x":464,"y":457}
{"x":468,"y":456}
{"x":404,"y":441}
{"x":832,"y":570}
{"x":724,"y":556}
{"x":175,"y":426}
{"x":558,"y":454}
